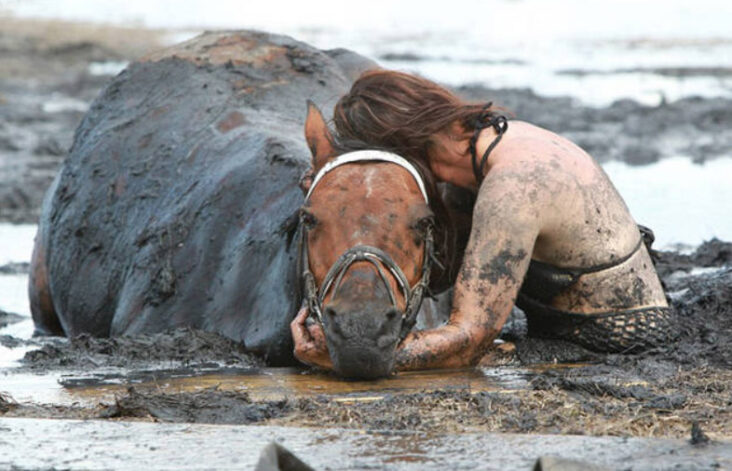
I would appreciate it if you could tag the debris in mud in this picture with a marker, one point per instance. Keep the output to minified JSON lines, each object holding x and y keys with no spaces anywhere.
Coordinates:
{"x":208,"y":406}
{"x":698,"y":437}
{"x":276,"y":457}
{"x":553,"y":411}
{"x":712,"y":253}
{"x":15,"y":268}
{"x":7,"y":403}
{"x":8,"y":341}
{"x":7,"y":318}
{"x":184,"y":345}
{"x":556,"y":463}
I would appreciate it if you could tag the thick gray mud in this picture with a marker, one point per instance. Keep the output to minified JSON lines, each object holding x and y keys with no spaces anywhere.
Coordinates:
{"x":183,"y":346}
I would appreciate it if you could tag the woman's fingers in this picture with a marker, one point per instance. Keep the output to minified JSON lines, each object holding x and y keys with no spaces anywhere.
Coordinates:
{"x":310,"y":345}
{"x":297,"y":326}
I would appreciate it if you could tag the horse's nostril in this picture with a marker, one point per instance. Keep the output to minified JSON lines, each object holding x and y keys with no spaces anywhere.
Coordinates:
{"x":330,"y":312}
{"x":391,"y":314}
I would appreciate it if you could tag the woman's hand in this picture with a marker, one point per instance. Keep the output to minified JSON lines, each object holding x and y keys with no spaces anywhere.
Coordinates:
{"x":449,"y":346}
{"x":310,"y":345}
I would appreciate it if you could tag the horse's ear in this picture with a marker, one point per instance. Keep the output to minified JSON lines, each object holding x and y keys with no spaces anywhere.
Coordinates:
{"x":318,"y":137}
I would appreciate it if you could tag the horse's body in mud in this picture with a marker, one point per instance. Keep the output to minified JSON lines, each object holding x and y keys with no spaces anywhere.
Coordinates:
{"x":171,"y":207}
{"x":174,"y":205}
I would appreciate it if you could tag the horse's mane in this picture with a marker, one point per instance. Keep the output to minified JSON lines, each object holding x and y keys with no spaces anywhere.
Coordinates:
{"x":451,"y":206}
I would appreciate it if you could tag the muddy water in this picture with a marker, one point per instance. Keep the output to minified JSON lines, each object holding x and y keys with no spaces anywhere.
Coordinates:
{"x":261,"y":384}
{"x":130,"y":445}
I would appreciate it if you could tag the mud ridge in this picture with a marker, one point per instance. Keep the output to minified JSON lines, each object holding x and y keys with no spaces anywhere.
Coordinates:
{"x":208,"y":406}
{"x":185,"y":346}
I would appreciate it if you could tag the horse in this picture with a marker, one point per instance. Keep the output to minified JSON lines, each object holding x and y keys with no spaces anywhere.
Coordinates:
{"x":174,"y":206}
{"x":374,"y":241}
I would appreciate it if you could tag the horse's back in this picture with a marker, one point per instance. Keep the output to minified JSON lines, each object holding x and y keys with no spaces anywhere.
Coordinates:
{"x":172,"y":206}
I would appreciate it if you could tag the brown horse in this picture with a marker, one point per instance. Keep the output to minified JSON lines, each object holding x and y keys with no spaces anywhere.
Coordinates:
{"x":373,"y":229}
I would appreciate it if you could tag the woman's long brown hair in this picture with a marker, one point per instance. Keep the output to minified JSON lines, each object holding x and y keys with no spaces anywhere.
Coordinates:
{"x":400,"y":113}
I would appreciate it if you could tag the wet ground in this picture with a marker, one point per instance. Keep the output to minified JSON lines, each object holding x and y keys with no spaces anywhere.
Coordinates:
{"x":238,"y":447}
{"x":419,"y":420}
{"x":526,"y":386}
{"x":50,"y":73}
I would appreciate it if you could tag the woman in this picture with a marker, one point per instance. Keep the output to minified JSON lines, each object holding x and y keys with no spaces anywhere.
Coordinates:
{"x":550,"y":232}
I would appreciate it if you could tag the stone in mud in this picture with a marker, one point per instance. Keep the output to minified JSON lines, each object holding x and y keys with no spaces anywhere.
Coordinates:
{"x":7,"y":403}
{"x":15,"y":268}
{"x":172,"y":207}
{"x":7,"y":318}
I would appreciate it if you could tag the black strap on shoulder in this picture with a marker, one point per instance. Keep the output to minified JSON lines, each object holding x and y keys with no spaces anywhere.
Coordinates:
{"x":486,"y":119}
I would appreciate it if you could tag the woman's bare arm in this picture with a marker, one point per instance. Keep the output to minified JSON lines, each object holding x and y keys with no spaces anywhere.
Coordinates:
{"x":506,"y":223}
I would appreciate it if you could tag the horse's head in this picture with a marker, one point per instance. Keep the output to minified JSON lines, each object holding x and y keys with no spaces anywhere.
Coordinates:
{"x":367,"y":250}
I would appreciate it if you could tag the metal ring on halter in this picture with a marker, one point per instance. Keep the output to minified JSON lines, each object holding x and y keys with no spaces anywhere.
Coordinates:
{"x":413,"y":296}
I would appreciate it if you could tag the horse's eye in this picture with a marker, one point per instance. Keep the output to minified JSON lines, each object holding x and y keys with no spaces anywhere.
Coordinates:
{"x":424,"y":223}
{"x":307,"y":219}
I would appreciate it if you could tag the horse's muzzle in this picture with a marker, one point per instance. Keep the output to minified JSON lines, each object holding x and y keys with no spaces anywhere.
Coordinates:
{"x":362,"y":343}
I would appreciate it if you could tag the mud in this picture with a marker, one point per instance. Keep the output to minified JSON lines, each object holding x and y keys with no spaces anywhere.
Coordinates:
{"x":183,"y":346}
{"x":659,"y":393}
{"x":15,"y":268}
{"x":211,"y":406}
{"x":626,"y":130}
{"x":47,"y":81}
{"x":7,"y":318}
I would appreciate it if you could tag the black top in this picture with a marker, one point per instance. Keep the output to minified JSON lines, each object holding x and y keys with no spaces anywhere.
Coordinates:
{"x":544,"y":281}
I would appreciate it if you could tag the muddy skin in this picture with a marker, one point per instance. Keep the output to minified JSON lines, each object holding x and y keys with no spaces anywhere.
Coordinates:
{"x":498,"y":267}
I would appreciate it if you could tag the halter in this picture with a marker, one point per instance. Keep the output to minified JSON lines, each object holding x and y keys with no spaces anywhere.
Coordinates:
{"x":366,"y":253}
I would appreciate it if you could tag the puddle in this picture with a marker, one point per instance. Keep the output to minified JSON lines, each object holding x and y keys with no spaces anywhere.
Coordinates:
{"x":261,"y":384}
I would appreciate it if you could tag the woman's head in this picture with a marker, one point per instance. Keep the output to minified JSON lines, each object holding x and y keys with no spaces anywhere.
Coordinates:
{"x":401,"y":113}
